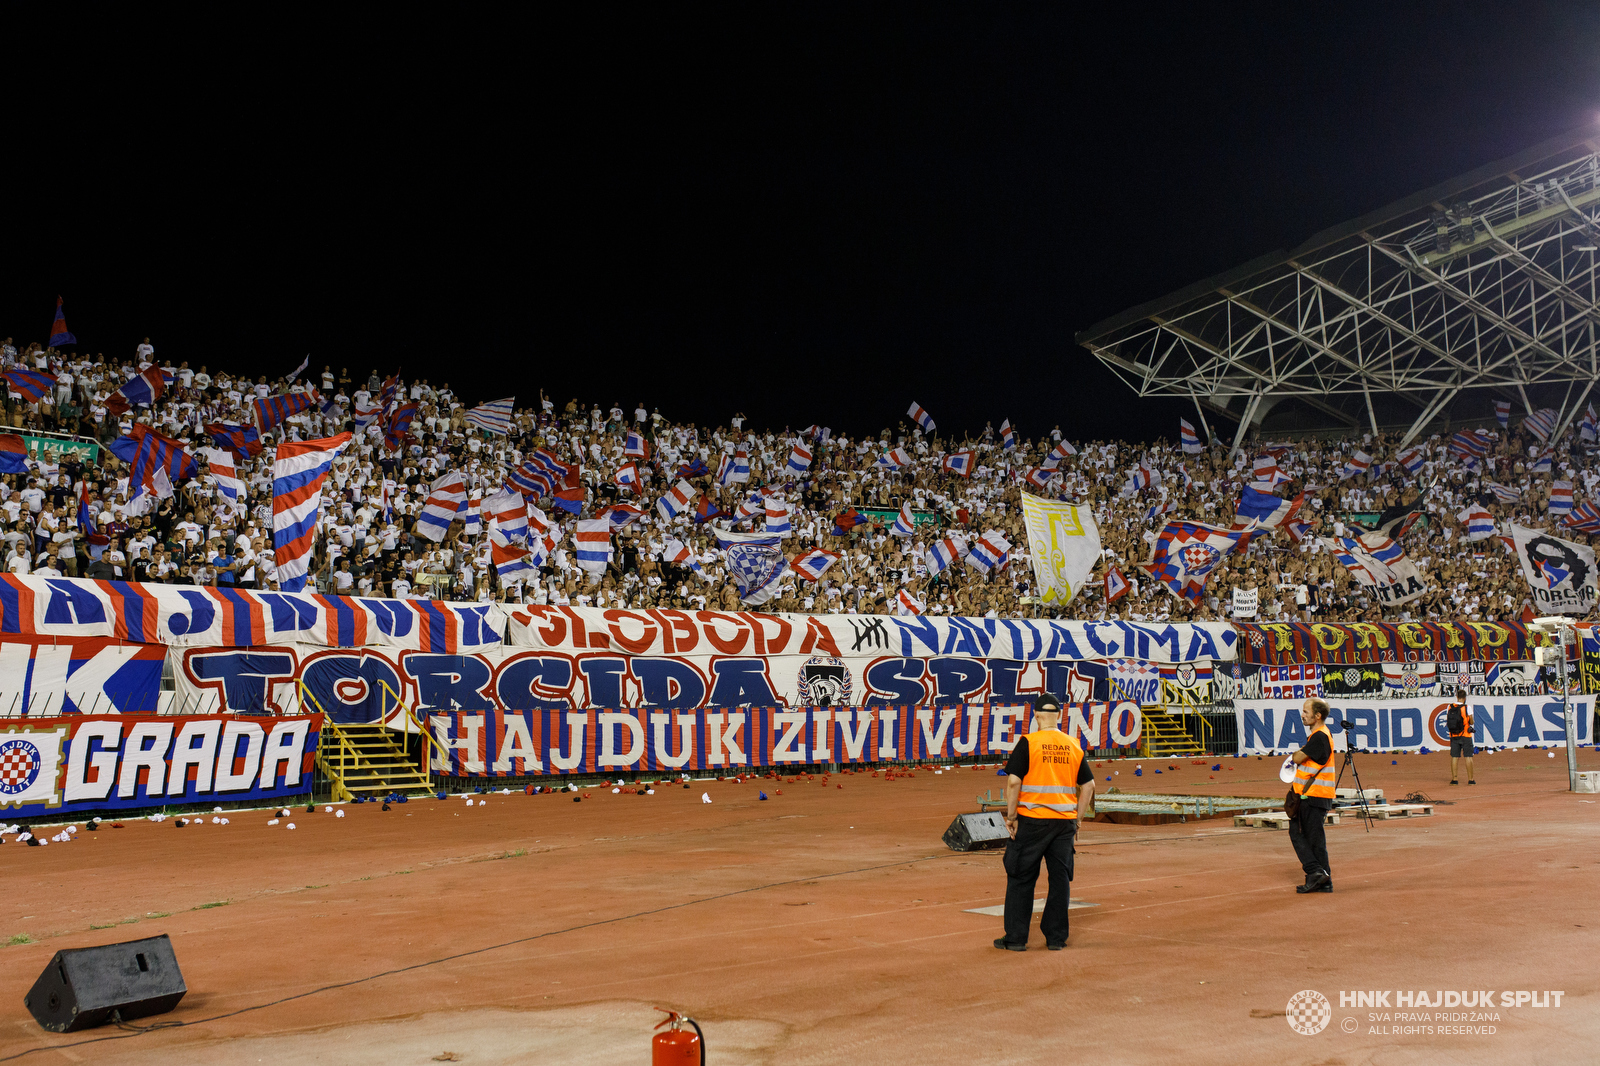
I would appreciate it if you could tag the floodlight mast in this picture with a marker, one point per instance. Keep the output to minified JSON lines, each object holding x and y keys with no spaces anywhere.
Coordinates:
{"x":1561,"y":628}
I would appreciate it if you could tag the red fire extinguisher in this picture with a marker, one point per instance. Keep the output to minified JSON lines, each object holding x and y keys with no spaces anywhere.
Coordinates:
{"x":676,"y":1046}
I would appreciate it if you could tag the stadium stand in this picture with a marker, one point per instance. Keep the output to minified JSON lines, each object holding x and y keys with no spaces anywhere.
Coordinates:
{"x":81,"y":419}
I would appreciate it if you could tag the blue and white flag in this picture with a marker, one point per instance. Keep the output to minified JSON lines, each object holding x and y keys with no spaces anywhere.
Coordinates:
{"x":778,"y":518}
{"x":298,"y":470}
{"x":1189,"y":438}
{"x":1265,"y":510}
{"x":988,"y":551}
{"x":1502,"y":412}
{"x":905,"y":523}
{"x":1359,"y":464}
{"x":677,"y":553}
{"x":756,"y":562}
{"x":1412,"y":459}
{"x":1560,"y":497}
{"x":941,"y":554}
{"x":921,"y":417}
{"x":493,"y":417}
{"x":676,"y":501}
{"x":959,"y":463}
{"x":1541,"y":423}
{"x":813,"y":564}
{"x":447,"y":497}
{"x":799,"y":458}
{"x":1479,"y":525}
{"x":1585,"y":518}
{"x":1504,"y":493}
{"x":895,"y":458}
{"x":1008,"y":437}
{"x":1058,"y":453}
{"x":1589,"y":428}
{"x":592,"y":539}
{"x":508,"y":513}
{"x":734,"y":468}
{"x":1474,"y":443}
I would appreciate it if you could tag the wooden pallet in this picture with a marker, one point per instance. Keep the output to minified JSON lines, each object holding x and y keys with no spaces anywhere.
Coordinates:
{"x":1400,"y":810}
{"x":1278,"y":820}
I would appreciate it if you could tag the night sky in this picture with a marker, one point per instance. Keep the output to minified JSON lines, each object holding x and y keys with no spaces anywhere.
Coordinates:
{"x":816,"y":215}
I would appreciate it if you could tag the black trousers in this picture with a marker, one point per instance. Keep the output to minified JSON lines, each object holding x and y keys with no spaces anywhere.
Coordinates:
{"x":1310,"y":838}
{"x":1047,"y":840}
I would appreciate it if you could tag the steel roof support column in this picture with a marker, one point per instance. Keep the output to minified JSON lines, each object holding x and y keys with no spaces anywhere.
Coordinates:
{"x":1439,"y":401}
{"x":1244,"y":423}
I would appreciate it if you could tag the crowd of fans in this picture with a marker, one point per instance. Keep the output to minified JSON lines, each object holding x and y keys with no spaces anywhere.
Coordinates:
{"x":844,"y":502}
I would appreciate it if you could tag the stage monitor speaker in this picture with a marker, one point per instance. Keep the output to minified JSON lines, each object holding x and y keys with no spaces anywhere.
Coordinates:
{"x":975,"y":832}
{"x":82,"y":987}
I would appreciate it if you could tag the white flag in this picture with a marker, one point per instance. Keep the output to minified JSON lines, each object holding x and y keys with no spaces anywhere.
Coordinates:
{"x":1064,"y":543}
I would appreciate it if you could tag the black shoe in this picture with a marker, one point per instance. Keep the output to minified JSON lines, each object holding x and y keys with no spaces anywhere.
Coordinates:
{"x":1455,"y":782}
{"x":1006,"y":945}
{"x":1472,"y":782}
{"x":1059,"y":945}
{"x":1327,"y":887}
{"x":1314,"y":881}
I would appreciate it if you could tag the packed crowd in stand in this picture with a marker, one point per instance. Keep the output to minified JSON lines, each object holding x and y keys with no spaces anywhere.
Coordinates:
{"x":844,"y":502}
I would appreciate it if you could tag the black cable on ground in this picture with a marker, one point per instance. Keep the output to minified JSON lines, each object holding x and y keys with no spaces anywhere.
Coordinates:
{"x":136,"y":1031}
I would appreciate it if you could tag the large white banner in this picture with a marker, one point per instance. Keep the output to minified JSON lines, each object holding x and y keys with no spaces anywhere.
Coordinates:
{"x":1274,"y":726}
{"x":1560,"y":572}
{"x":718,"y":633}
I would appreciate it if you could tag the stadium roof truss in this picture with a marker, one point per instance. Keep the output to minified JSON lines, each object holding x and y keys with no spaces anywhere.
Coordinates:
{"x":1485,"y":282}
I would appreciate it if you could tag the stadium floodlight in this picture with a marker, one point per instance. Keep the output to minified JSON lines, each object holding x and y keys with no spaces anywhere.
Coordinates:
{"x":1403,"y":318}
{"x":1564,"y":631}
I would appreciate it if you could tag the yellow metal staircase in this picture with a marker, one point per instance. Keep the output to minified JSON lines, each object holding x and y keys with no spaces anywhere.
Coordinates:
{"x":365,"y":760}
{"x":370,"y":759}
{"x":1165,"y":735}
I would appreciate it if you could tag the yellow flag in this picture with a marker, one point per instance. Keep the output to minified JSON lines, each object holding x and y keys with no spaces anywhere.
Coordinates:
{"x":1065,"y":544}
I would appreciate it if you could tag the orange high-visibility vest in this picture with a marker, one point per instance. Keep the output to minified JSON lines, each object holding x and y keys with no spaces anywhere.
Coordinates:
{"x":1466,"y":722}
{"x":1050,"y":789}
{"x":1316,"y":782}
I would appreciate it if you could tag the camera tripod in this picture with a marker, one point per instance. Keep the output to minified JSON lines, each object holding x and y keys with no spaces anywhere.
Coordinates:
{"x":1350,"y":763}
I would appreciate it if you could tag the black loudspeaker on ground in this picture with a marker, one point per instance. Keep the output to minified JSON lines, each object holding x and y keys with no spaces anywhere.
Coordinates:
{"x":977,"y":832}
{"x":83,"y":987}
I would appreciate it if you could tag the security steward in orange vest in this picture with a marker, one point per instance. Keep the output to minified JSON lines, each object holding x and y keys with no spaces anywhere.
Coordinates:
{"x":1313,"y":780}
{"x":1461,"y":746}
{"x":1048,"y":784}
